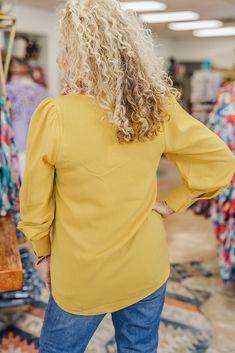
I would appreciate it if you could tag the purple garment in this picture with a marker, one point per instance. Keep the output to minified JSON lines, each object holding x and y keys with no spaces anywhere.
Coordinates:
{"x":25,"y":96}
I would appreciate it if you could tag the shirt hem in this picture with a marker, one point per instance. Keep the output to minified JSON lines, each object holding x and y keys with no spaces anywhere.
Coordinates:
{"x":115,"y":306}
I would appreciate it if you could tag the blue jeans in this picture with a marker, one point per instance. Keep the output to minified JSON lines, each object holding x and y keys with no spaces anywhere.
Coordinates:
{"x":136,"y":327}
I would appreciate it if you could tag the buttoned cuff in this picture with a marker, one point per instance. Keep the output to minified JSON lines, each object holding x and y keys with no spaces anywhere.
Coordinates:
{"x":180,"y":199}
{"x":42,"y":247}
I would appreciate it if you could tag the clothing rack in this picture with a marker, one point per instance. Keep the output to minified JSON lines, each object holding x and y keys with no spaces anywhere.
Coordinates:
{"x":11,"y":273}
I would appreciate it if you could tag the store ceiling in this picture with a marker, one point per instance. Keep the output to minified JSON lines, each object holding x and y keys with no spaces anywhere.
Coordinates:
{"x":208,"y":9}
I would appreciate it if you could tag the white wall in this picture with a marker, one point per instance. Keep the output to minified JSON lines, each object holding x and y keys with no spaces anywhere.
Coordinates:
{"x":41,"y":22}
{"x":164,"y":46}
{"x":221,"y":51}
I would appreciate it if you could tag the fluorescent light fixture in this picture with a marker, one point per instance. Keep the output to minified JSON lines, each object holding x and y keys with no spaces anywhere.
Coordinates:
{"x":219,"y":32}
{"x":169,"y":17}
{"x":142,"y":6}
{"x":188,"y":26}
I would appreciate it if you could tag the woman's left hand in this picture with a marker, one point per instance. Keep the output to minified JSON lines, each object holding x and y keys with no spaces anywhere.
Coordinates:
{"x":45,"y":270}
{"x":163,"y":209}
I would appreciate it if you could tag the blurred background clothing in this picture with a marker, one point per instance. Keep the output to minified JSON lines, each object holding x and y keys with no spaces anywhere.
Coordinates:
{"x":25,"y":95}
{"x":198,"y":316}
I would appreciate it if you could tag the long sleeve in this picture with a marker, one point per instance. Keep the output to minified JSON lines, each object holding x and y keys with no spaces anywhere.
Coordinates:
{"x":204,"y":161}
{"x":37,"y":204}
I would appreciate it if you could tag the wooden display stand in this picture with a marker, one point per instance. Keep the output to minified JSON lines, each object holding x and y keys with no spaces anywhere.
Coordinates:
{"x":11,"y":273}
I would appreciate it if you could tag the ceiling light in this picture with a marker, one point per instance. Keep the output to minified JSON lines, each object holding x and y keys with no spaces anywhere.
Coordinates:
{"x":220,"y":32}
{"x":187,"y":26}
{"x":143,"y":6}
{"x":169,"y":17}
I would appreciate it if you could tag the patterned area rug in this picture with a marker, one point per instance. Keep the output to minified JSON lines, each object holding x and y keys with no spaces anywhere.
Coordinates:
{"x":184,"y":328}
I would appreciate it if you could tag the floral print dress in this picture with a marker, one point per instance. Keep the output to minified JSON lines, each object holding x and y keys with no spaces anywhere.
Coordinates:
{"x":9,"y":166}
{"x":222,"y":122}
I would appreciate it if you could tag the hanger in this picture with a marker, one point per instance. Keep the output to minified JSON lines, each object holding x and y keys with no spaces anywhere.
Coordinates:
{"x":8,"y":23}
{"x":2,"y":77}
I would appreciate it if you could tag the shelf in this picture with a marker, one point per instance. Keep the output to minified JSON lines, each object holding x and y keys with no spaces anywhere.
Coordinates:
{"x":11,"y":272}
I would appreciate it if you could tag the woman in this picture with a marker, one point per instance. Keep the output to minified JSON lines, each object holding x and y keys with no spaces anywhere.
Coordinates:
{"x":88,"y":199}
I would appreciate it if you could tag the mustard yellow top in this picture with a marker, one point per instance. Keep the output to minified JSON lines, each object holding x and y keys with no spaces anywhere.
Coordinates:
{"x":87,"y":200}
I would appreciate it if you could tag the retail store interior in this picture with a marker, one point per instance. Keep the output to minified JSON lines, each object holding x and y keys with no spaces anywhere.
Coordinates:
{"x":197,"y":42}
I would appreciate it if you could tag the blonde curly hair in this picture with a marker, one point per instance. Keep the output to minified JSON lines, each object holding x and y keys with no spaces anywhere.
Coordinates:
{"x":107,"y":53}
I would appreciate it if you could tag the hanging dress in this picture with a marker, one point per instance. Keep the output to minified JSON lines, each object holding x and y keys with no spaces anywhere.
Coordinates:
{"x":9,"y":166}
{"x":222,"y":122}
{"x":9,"y":203}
